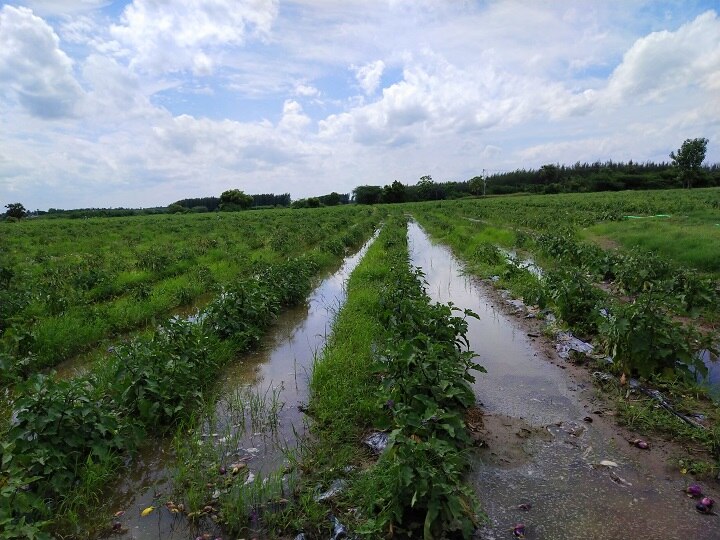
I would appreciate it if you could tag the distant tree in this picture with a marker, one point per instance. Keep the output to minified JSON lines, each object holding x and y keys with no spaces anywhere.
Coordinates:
{"x":176,"y":209}
{"x":394,"y":193}
{"x":476,"y":184}
{"x":313,"y":202}
{"x":367,"y":194}
{"x":331,"y":199}
{"x":549,"y":174}
{"x":235,"y":199}
{"x":688,"y":160}
{"x":15,"y":210}
{"x":426,"y":188}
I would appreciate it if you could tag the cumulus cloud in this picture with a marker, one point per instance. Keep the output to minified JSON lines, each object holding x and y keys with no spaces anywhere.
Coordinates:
{"x":664,"y":61}
{"x":306,"y":90}
{"x":178,"y":35}
{"x":33,"y":67}
{"x":64,"y":7}
{"x":368,"y":76}
{"x":436,"y":96}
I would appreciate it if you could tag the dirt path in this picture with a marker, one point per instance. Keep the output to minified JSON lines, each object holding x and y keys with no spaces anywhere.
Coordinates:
{"x":551,"y":440}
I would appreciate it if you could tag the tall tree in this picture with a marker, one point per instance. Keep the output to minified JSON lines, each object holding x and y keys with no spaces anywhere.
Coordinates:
{"x":15,"y":210}
{"x":235,"y":199}
{"x":688,"y":160}
{"x":394,"y":193}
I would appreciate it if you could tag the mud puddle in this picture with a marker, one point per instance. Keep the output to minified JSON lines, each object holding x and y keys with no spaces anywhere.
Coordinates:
{"x":257,"y":420}
{"x":549,"y":446}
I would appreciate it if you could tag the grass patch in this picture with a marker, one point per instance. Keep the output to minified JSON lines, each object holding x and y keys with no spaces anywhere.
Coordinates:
{"x":680,"y":239}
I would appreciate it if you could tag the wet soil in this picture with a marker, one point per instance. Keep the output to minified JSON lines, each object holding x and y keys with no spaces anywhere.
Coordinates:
{"x":276,"y":374}
{"x":550,"y":440}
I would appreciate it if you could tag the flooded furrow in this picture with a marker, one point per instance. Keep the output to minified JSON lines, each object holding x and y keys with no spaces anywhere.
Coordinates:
{"x":257,"y":417}
{"x":570,"y":468}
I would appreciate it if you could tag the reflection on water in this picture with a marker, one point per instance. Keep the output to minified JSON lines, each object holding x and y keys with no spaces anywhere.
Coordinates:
{"x":272,"y":381}
{"x":572,"y":495}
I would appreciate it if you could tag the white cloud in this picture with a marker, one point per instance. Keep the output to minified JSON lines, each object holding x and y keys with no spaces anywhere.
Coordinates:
{"x":34,"y":68}
{"x":293,"y":118}
{"x":178,"y":35}
{"x":662,"y":62}
{"x":368,"y":76}
{"x":473,"y":85}
{"x":64,"y":7}
{"x":306,"y":90}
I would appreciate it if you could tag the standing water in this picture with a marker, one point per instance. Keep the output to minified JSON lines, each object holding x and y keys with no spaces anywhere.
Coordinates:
{"x":574,"y":478}
{"x":258,"y":413}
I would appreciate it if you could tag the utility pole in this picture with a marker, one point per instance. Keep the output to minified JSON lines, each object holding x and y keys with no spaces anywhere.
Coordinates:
{"x":484,"y":179}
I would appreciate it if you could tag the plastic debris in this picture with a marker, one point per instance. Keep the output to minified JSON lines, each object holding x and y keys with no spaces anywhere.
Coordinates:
{"x":377,"y":442}
{"x":519,"y":531}
{"x":665,"y":404}
{"x":336,"y":487}
{"x":619,"y":480}
{"x":147,"y":511}
{"x":339,"y":530}
{"x":608,"y":463}
{"x":568,"y":344}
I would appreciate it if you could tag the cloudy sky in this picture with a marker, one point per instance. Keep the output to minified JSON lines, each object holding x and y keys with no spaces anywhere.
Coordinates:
{"x":117,"y":103}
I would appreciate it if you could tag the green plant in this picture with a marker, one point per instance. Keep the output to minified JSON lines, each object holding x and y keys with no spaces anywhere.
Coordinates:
{"x":642,"y":339}
{"x":575,"y":299}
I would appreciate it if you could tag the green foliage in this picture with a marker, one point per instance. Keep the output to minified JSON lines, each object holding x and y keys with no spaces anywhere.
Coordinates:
{"x":643,"y":340}
{"x":15,"y":210}
{"x":638,"y":272}
{"x":575,"y":299}
{"x":425,"y":371}
{"x":688,"y":159}
{"x":235,"y":199}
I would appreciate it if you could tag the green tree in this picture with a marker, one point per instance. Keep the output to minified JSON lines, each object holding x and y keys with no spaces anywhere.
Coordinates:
{"x":15,"y":210}
{"x":367,"y":194}
{"x":235,"y":199}
{"x":688,"y":160}
{"x":176,"y":209}
{"x":394,"y":193}
{"x":476,"y":185}
{"x":428,"y":190}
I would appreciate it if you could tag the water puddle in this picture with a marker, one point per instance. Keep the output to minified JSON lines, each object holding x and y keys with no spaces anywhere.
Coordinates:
{"x":574,"y":478}
{"x":258,"y":418}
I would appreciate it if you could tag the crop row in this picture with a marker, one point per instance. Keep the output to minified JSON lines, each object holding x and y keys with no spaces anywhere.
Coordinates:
{"x":634,"y":315}
{"x":67,"y":439}
{"x":92,"y":281}
{"x":397,"y":363}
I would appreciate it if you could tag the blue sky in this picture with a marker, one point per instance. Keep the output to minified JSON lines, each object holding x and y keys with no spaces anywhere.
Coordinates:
{"x":146,"y":102}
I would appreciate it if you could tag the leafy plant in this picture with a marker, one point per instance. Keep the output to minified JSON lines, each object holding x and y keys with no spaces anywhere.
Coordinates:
{"x":642,"y":339}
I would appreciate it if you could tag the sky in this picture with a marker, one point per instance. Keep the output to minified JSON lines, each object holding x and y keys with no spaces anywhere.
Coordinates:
{"x":142,"y":103}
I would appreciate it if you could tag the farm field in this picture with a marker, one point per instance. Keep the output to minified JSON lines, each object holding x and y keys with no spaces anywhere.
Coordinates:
{"x":406,"y":342}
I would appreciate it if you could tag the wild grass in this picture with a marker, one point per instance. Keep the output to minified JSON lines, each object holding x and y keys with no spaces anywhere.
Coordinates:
{"x":680,"y":239}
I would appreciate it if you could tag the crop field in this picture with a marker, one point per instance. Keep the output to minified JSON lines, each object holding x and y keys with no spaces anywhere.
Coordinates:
{"x":634,"y":273}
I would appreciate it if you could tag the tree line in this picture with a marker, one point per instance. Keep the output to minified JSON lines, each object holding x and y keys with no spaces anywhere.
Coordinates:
{"x":684,"y":170}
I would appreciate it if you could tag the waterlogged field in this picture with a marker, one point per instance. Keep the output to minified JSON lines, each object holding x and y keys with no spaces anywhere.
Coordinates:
{"x":624,"y":271}
{"x":70,"y":286}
